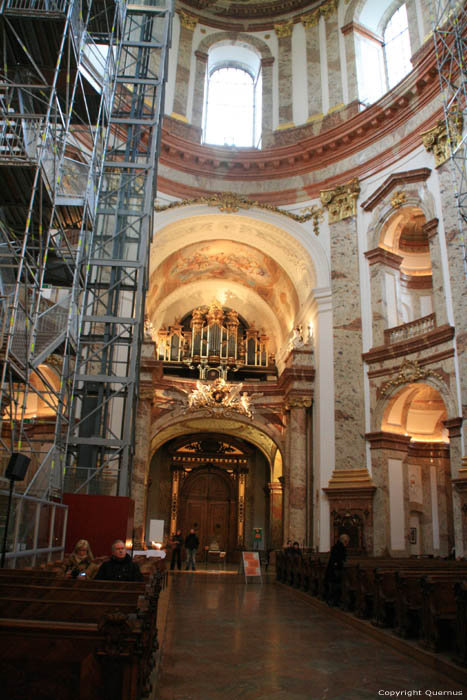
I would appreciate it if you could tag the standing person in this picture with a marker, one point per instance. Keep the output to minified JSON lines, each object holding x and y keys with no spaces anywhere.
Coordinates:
{"x":334,"y":569}
{"x":191,"y":545}
{"x":176,"y":542}
{"x":120,"y":566}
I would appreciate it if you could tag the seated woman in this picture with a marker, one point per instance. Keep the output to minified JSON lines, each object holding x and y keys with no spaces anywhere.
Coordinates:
{"x":80,"y":562}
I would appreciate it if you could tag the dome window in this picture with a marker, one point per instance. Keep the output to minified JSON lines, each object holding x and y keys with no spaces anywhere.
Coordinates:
{"x":397,"y":47}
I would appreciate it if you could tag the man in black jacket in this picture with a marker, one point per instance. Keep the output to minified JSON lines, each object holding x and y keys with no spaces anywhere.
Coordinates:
{"x":191,"y":545}
{"x":120,"y":567}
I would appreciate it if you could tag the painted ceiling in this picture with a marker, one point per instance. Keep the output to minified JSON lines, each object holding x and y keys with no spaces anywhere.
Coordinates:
{"x":247,"y":9}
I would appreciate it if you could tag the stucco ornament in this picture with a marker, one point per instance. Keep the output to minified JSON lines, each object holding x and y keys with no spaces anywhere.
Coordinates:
{"x":409,"y":372}
{"x":220,"y":398}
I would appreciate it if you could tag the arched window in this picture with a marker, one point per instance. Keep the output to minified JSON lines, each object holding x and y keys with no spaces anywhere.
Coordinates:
{"x":382,"y":50}
{"x":397,"y":51}
{"x":232,"y":111}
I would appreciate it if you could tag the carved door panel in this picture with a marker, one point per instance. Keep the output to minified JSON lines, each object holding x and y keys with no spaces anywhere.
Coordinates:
{"x":218,"y":525}
{"x":206,"y":506}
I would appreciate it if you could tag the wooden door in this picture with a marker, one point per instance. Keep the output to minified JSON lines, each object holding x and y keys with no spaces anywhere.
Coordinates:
{"x":207,"y":506}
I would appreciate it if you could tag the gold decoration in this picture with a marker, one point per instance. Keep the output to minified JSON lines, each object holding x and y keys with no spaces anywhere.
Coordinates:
{"x":398,"y":199}
{"x":409,"y":372}
{"x":221,"y":199}
{"x":188,"y":21}
{"x":298,"y":402}
{"x":317,"y":214}
{"x":341,"y":202}
{"x":311,"y":19}
{"x":328,"y":8}
{"x":439,"y":142}
{"x":284,"y":29}
{"x":220,"y":398}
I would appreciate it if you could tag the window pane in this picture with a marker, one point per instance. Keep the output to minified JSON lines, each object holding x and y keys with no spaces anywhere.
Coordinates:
{"x":229,"y":119}
{"x":397,"y":47}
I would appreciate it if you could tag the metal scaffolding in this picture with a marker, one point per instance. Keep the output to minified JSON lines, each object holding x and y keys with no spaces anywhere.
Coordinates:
{"x":81,"y":98}
{"x":450,"y":39}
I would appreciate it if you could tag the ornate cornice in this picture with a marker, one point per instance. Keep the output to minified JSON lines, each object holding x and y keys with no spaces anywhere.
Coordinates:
{"x":230,"y":202}
{"x":439,"y":142}
{"x":350,"y":478}
{"x":409,"y":372}
{"x":453,"y":426}
{"x":341,"y":202}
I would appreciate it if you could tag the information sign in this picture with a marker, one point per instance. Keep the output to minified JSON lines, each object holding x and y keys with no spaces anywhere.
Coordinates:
{"x":251,"y":565}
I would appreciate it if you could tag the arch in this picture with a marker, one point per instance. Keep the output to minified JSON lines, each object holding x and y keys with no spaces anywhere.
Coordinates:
{"x":241,"y":39}
{"x":407,"y":391}
{"x":258,"y":435}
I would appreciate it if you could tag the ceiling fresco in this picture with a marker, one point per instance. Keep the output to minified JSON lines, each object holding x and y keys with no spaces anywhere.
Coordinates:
{"x":228,"y":262}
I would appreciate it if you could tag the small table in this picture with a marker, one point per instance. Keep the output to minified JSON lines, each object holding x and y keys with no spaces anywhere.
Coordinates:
{"x":217,"y":556}
{"x":160,"y":553}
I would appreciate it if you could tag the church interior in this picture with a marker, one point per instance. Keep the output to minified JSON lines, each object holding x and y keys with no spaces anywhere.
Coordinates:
{"x":232,"y":288}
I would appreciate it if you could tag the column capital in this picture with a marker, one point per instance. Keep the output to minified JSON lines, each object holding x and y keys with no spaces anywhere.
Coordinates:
{"x":284,"y":29}
{"x":437,"y":139}
{"x":311,"y":19}
{"x":298,"y":402}
{"x":188,"y":21}
{"x":341,"y":201}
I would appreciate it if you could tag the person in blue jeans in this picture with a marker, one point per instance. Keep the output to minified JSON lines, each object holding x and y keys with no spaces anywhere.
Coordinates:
{"x":191,"y":545}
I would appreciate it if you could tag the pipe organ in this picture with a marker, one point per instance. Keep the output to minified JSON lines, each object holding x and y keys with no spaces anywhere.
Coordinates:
{"x":214,"y":336}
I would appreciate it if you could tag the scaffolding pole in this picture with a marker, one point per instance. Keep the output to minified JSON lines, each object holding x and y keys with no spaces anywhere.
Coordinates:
{"x":449,"y":20}
{"x":104,"y":381}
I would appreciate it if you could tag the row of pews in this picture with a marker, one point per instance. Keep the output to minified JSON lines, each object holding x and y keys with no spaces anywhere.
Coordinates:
{"x":73,"y":639}
{"x":423,"y":599}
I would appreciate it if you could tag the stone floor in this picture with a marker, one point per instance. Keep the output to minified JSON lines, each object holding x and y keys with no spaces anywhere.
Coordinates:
{"x":225,"y":640}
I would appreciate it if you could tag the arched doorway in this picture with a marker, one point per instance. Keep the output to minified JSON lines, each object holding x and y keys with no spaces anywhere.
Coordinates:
{"x":208,"y":503}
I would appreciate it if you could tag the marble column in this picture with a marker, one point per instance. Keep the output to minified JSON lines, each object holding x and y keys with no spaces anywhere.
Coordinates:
{"x":349,"y":398}
{"x":336,"y":95}
{"x":297,"y":468}
{"x":139,"y":477}
{"x":457,"y":275}
{"x":351,"y":62}
{"x":187,"y":26}
{"x":275,"y":515}
{"x":266,"y":70}
{"x":380,"y":261}
{"x":241,"y":503}
{"x":385,"y":447}
{"x":200,"y":83}
{"x":459,"y":485}
{"x":437,"y":277}
{"x":284,"y":34}
{"x":313,"y":62}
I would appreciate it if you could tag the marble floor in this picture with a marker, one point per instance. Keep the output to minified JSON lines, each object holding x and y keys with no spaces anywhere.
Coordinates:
{"x":225,"y":640}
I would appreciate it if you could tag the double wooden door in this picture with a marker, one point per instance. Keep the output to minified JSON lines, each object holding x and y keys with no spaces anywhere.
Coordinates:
{"x":208,"y":506}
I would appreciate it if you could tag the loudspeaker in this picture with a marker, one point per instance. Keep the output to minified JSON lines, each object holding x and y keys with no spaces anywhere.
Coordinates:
{"x":17,"y":467}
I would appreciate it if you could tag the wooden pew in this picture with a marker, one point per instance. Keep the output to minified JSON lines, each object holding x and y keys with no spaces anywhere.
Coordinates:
{"x":96,"y":638}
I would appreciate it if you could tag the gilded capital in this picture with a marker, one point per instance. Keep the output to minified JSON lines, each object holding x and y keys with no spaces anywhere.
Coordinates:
{"x":341,"y":202}
{"x":439,"y":142}
{"x":188,"y":21}
{"x":311,"y":19}
{"x":298,"y":402}
{"x":284,"y":29}
{"x":328,"y":8}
